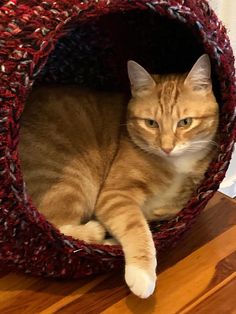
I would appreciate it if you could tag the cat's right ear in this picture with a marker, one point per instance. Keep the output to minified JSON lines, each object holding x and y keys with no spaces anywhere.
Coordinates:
{"x":140,"y":80}
{"x":199,"y":78}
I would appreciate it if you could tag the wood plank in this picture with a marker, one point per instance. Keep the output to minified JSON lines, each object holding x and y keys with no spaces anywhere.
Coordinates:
{"x":218,"y":216}
{"x":222,"y":300}
{"x":3,"y":273}
{"x":206,"y":297}
{"x":98,"y":298}
{"x":61,"y":304}
{"x":225,"y":271}
{"x":191,"y":276}
{"x":51,"y":294}
{"x":12,"y":285}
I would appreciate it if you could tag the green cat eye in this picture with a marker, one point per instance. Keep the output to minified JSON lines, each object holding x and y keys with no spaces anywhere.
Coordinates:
{"x":185,"y":122}
{"x":151,"y":123}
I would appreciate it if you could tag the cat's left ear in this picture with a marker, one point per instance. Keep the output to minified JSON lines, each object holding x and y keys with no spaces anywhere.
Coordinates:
{"x":199,"y":78}
{"x":140,"y":80}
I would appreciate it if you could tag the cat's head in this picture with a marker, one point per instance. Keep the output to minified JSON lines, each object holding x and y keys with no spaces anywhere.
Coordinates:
{"x":172,"y":115}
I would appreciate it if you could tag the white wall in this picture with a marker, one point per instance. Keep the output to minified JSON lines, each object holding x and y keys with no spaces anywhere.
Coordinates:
{"x":226,"y":10}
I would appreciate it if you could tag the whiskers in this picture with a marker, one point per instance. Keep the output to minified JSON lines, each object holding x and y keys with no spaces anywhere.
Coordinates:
{"x":195,"y":146}
{"x":206,"y":145}
{"x":208,"y":142}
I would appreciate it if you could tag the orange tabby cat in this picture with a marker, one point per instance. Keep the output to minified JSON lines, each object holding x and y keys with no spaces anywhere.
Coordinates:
{"x":84,"y":155}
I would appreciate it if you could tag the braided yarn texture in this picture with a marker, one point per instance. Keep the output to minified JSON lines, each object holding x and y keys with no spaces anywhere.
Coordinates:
{"x":89,"y":42}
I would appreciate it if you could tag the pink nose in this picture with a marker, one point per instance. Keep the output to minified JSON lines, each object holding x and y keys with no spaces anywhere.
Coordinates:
{"x":167,"y":150}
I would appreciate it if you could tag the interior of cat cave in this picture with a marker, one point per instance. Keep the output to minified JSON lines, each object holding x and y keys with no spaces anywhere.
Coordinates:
{"x":158,"y":43}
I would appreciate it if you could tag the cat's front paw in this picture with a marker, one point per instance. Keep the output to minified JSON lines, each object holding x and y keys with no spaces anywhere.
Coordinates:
{"x":91,"y":232}
{"x":140,"y":282}
{"x":96,"y":232}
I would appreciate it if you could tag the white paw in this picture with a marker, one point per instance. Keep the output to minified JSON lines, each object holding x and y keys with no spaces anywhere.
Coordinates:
{"x":91,"y":232}
{"x":140,"y":282}
{"x":96,"y":232}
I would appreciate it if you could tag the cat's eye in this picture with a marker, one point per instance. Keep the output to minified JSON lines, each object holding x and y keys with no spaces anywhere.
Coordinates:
{"x":184,"y":123}
{"x":151,"y":123}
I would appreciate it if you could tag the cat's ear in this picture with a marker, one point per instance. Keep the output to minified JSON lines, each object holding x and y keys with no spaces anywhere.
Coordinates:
{"x":199,"y":78}
{"x":140,"y":80}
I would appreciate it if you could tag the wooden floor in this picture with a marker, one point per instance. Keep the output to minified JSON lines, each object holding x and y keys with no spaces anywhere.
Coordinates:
{"x":198,"y":276}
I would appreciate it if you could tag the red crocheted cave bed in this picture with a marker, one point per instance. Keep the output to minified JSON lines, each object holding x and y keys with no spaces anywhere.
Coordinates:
{"x":89,"y":43}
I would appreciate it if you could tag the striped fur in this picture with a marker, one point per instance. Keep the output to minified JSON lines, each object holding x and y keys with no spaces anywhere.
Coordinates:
{"x":84,"y":158}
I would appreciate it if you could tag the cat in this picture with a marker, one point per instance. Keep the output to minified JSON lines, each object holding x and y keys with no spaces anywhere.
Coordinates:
{"x":91,"y":164}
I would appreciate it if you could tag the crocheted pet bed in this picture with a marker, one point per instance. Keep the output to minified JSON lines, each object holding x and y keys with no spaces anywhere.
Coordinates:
{"x":89,"y":43}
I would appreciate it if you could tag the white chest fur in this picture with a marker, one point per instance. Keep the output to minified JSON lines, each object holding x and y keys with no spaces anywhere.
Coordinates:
{"x":186,"y":164}
{"x":160,"y":206}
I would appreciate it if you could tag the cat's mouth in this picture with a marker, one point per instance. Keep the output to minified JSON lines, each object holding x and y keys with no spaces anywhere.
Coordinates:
{"x":175,"y":152}
{"x":183,"y":151}
{"x":162,"y":153}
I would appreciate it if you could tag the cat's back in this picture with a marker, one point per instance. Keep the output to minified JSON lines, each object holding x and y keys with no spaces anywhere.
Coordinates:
{"x":70,"y":116}
{"x":72,"y":107}
{"x":68,"y":133}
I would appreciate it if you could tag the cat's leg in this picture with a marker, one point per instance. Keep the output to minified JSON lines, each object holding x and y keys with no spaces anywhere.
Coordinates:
{"x":68,"y":210}
{"x":123,"y":218}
